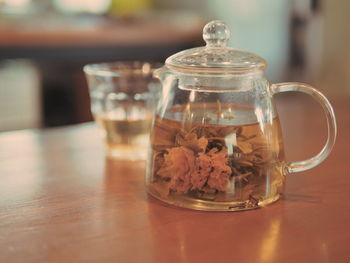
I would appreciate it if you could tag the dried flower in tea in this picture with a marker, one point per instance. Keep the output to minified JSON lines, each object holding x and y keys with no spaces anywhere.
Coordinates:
{"x":216,"y":162}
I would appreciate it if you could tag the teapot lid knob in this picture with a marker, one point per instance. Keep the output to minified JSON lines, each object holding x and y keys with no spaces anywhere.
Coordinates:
{"x":216,"y":57}
{"x":216,"y":34}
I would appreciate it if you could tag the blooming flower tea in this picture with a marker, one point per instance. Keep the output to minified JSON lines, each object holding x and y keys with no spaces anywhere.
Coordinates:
{"x":209,"y":159}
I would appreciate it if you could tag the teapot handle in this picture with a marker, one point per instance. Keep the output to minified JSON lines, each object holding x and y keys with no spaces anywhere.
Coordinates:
{"x":293,"y":167}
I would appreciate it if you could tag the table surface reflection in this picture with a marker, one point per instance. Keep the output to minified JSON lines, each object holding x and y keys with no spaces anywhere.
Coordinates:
{"x":61,"y":201}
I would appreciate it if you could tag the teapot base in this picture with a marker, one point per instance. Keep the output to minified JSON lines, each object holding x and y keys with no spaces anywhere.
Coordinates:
{"x":203,"y":205}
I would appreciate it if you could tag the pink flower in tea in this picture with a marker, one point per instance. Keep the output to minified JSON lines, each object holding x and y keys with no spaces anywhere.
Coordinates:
{"x":211,"y":169}
{"x":178,"y":166}
{"x":202,"y":170}
{"x":220,"y":172}
{"x":187,"y":171}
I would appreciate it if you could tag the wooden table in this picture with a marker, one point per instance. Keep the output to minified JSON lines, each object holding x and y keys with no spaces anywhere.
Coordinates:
{"x":61,"y":201}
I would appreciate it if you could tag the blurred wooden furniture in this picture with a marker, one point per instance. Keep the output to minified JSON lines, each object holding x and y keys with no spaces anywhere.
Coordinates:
{"x":61,"y":201}
{"x":62,"y":45}
{"x":97,"y":38}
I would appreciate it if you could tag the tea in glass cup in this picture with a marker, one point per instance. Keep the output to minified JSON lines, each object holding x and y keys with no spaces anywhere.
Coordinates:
{"x":123,"y":96}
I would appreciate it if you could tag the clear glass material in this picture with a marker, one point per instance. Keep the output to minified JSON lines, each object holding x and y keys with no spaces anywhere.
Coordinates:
{"x":293,"y":167}
{"x":123,"y":97}
{"x":215,"y":56}
{"x":216,"y":149}
{"x":216,"y":141}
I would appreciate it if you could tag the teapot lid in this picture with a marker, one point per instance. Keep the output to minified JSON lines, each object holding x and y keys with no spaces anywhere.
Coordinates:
{"x":215,"y":56}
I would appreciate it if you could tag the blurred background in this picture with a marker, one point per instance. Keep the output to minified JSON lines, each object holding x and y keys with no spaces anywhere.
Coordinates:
{"x":44,"y":44}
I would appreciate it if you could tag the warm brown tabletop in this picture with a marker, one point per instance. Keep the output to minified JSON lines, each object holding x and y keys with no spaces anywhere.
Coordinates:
{"x":60,"y":201}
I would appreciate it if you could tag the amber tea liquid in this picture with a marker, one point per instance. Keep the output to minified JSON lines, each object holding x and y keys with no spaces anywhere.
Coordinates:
{"x":210,"y":159}
{"x":126,"y":132}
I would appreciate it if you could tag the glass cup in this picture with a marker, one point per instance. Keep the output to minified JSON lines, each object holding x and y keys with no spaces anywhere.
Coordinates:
{"x":123,"y":97}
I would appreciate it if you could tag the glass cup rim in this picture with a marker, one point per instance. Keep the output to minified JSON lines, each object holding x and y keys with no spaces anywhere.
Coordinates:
{"x":120,"y":68}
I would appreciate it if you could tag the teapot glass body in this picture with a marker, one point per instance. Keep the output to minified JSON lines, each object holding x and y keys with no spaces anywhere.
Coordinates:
{"x":216,"y":144}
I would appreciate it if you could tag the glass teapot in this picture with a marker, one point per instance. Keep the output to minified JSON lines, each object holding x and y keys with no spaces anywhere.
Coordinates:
{"x":216,"y":141}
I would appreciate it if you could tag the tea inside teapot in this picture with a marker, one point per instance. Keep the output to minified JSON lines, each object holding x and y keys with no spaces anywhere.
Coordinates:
{"x":219,"y":153}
